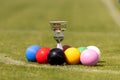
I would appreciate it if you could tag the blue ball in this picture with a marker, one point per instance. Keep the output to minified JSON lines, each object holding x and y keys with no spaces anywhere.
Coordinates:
{"x":31,"y":53}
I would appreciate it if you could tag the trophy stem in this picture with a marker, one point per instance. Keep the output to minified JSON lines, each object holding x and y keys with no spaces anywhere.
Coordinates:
{"x":59,"y":45}
{"x":58,"y":37}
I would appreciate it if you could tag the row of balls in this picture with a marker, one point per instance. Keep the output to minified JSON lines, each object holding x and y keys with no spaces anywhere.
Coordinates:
{"x":88,"y":56}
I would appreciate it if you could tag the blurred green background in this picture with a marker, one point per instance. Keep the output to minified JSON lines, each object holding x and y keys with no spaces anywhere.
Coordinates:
{"x":26,"y":22}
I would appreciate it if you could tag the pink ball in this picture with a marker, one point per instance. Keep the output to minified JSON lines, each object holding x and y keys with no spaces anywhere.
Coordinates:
{"x":89,"y":57}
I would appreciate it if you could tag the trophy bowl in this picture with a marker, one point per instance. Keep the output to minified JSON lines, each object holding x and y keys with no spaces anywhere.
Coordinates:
{"x":58,"y":25}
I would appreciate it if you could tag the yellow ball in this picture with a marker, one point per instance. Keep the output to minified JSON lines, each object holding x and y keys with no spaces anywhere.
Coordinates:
{"x":72,"y":55}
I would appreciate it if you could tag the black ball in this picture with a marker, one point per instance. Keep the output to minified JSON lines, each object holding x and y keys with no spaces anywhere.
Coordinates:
{"x":56,"y":56}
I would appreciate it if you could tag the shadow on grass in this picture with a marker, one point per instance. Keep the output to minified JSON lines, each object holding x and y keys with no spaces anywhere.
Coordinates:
{"x":101,"y":63}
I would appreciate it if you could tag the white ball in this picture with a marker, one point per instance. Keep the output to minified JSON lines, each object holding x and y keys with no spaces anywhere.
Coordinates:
{"x":95,"y":49}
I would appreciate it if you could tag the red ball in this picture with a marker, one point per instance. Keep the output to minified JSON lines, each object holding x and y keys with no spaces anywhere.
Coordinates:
{"x":41,"y":55}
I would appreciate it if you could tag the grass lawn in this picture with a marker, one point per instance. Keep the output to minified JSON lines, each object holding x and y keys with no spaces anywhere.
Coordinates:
{"x":117,"y":3}
{"x":26,"y":22}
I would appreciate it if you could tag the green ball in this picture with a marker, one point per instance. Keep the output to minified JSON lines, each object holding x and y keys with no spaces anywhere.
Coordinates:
{"x":81,"y":49}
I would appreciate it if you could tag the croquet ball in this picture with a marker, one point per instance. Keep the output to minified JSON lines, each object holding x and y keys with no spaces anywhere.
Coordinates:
{"x":42,"y":54}
{"x":95,"y":48}
{"x":65,"y":47}
{"x":31,"y":52}
{"x":89,"y":57}
{"x":81,"y":49}
{"x":72,"y":55}
{"x":56,"y":56}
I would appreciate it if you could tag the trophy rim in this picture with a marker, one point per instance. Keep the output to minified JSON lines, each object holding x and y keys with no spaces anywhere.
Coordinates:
{"x":52,"y":22}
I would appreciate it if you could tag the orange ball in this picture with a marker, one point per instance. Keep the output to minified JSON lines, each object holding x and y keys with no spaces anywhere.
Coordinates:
{"x":72,"y":55}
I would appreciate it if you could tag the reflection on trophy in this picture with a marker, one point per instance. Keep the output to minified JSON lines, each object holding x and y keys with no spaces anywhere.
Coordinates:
{"x":58,"y":27}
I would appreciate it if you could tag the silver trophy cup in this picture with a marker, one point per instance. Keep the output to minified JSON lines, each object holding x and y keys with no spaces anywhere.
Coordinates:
{"x":58,"y":27}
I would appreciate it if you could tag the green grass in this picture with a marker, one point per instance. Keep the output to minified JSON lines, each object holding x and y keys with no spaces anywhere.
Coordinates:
{"x":22,"y":73}
{"x":117,"y":3}
{"x":26,"y":22}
